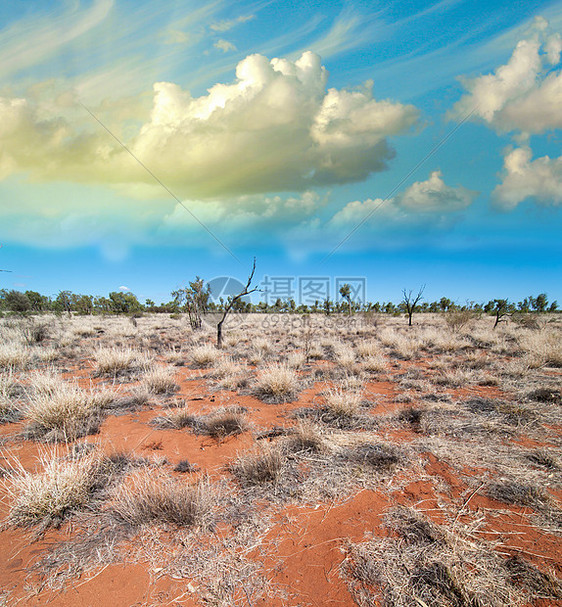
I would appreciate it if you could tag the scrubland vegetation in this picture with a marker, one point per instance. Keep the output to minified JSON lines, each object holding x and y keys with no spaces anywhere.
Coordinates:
{"x":119,"y":431}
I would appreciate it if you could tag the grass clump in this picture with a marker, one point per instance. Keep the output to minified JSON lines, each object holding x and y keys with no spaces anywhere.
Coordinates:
{"x":424,"y":564}
{"x":377,"y":456}
{"x":160,"y":380}
{"x":544,"y":459}
{"x":65,"y":412}
{"x":519,"y":494}
{"x":277,"y":383}
{"x":14,"y":356}
{"x":229,"y":421}
{"x":144,"y":499}
{"x":204,"y":356}
{"x":9,"y":410}
{"x":119,"y":361}
{"x":47,"y":498}
{"x":259,"y":467}
{"x":176,"y":420}
{"x":343,"y":402}
{"x":303,"y":439}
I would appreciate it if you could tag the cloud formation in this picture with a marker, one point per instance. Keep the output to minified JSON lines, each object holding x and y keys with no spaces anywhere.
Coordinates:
{"x":228,"y":24}
{"x":35,"y":39}
{"x":275,"y":128}
{"x":525,"y":94}
{"x":224,"y":45}
{"x":523,"y":178}
{"x":431,"y":196}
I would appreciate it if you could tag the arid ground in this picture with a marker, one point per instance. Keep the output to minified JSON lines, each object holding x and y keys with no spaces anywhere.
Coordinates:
{"x":312,"y":461}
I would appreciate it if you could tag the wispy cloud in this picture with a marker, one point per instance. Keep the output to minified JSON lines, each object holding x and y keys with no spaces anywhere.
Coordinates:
{"x":33,"y":40}
{"x":349,"y":30}
{"x":224,"y":26}
{"x":224,"y":45}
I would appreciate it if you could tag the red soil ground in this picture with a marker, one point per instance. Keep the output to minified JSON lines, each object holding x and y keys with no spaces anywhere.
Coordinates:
{"x":304,"y":545}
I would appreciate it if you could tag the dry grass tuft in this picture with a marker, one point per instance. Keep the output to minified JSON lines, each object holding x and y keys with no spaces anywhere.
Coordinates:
{"x":48,"y":497}
{"x":225,"y":422}
{"x":430,"y":565}
{"x":204,"y":356}
{"x":64,"y":411}
{"x":544,"y":459}
{"x":143,"y":499}
{"x":277,"y":383}
{"x":160,"y":380}
{"x":259,"y":467}
{"x":519,"y":494}
{"x":9,"y":410}
{"x":119,"y":361}
{"x":378,"y":456}
{"x":539,"y":583}
{"x":304,"y":439}
{"x":343,"y":402}
{"x":14,"y":356}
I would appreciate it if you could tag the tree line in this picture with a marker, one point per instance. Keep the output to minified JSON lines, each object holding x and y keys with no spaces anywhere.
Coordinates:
{"x":198,"y":294}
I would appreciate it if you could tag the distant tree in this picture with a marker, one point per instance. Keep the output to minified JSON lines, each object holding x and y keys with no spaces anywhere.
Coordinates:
{"x":63,"y":302}
{"x":16,"y":301}
{"x":411,"y":301}
{"x":524,"y":305}
{"x":345,"y":292}
{"x":540,"y":303}
{"x":389,"y":308}
{"x":102,"y":304}
{"x":501,"y":310}
{"x":124,"y":303}
{"x":83,"y":304}
{"x":327,"y":306}
{"x":553,"y":306}
{"x":38,"y":302}
{"x":194,"y":299}
{"x":232,"y":300}
{"x":445,"y":304}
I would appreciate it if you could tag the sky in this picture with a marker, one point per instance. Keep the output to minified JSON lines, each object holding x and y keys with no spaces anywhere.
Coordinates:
{"x":386,"y":144}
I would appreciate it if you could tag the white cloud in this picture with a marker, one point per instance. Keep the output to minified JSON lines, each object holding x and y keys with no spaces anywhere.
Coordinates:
{"x":224,"y":45}
{"x":224,"y":26}
{"x":523,"y":178}
{"x":422,"y":197}
{"x":275,"y":128}
{"x":124,"y":288}
{"x":434,"y":196}
{"x":525,"y":94}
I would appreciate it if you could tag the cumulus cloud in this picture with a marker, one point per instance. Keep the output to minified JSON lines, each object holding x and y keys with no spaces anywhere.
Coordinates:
{"x":434,"y":196}
{"x":275,"y":128}
{"x":422,"y":197}
{"x":525,"y":94}
{"x":523,"y":178}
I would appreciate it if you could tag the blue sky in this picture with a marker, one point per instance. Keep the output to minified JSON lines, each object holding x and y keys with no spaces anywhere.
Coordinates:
{"x":406,"y":143}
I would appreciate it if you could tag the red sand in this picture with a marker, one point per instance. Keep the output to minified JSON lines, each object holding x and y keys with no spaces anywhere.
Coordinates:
{"x":304,"y":545}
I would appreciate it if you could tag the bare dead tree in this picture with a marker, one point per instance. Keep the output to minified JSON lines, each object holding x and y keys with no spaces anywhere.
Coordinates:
{"x":232,"y":300}
{"x":411,"y":301}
